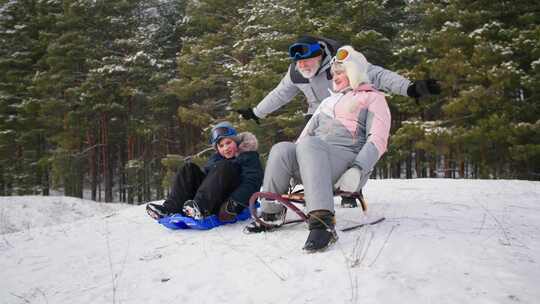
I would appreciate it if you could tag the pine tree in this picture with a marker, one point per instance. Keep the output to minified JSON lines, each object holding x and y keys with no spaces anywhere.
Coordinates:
{"x":202,"y":87}
{"x":262,"y":36}
{"x":151,"y":110}
{"x":476,"y":49}
{"x":23,"y":133}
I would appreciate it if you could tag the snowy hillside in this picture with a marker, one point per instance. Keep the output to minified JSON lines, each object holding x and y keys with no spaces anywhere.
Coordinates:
{"x":444,"y":241}
{"x":26,"y":212}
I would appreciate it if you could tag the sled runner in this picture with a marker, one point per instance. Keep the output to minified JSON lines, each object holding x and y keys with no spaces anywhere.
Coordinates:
{"x":290,"y":200}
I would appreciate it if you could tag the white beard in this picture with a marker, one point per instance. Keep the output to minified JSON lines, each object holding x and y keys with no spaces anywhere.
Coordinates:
{"x":309,"y":73}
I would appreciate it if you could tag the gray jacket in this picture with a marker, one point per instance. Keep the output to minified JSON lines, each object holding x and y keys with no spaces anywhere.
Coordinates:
{"x":316,"y":89}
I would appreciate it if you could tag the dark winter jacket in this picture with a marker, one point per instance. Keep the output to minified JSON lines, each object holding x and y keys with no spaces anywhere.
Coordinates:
{"x":251,"y":174}
{"x":317,"y":88}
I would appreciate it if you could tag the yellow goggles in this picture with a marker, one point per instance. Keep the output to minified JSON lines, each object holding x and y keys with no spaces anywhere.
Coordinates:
{"x":342,"y":54}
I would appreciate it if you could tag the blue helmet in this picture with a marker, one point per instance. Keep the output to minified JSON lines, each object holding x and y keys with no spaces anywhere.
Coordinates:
{"x":222,"y":130}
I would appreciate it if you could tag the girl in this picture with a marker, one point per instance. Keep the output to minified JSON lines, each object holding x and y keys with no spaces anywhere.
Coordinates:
{"x":350,"y":129}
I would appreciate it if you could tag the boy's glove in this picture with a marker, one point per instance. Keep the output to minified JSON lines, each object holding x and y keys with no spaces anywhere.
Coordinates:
{"x":424,"y":88}
{"x":247,"y":114}
{"x":229,"y":210}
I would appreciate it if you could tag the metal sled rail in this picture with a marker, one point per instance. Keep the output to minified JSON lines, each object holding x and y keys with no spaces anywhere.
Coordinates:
{"x":289,"y":200}
{"x":282,"y":199}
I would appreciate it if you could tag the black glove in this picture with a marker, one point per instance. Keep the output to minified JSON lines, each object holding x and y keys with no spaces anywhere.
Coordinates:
{"x":307,"y":117}
{"x":247,"y":114}
{"x":229,"y":210}
{"x":424,"y":88}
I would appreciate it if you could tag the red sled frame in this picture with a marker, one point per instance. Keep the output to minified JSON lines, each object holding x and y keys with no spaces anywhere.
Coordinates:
{"x":290,"y":199}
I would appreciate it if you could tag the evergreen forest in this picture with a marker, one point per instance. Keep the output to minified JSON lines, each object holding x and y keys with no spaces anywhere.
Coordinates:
{"x":107,"y":98}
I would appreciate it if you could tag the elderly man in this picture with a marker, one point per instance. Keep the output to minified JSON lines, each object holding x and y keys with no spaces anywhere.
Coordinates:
{"x":309,"y":73}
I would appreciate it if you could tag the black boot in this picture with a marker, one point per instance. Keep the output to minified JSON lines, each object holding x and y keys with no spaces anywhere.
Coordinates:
{"x":229,"y":210}
{"x":348,"y":202}
{"x":192,"y":209}
{"x":274,"y":219}
{"x":322,"y":231}
{"x":157,"y":211}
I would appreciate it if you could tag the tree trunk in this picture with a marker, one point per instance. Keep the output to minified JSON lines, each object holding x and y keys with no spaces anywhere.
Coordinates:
{"x":147,"y":180}
{"x":156,"y":179}
{"x":42,"y":173}
{"x":131,"y":179}
{"x":140,"y":177}
{"x":2,"y":182}
{"x":46,"y":185}
{"x":131,"y":147}
{"x":422,"y":161}
{"x":408,"y":167}
{"x":92,"y":163}
{"x":446,"y":165}
{"x":122,"y":172}
{"x":397,"y":170}
{"x":147,"y":169}
{"x":9,"y":187}
{"x":140,"y":172}
{"x":79,"y":173}
{"x":433,"y":166}
{"x":112,"y":163}
{"x":105,"y":157}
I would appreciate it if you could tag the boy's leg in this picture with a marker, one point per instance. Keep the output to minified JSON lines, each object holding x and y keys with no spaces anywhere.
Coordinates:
{"x":217,"y":187}
{"x":320,"y":166}
{"x":185,"y":185}
{"x":281,"y":166}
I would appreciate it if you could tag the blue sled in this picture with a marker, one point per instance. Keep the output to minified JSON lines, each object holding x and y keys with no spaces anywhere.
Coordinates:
{"x":178,"y":221}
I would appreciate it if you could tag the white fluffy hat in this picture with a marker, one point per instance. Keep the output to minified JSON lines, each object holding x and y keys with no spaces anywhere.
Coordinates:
{"x":354,"y":64}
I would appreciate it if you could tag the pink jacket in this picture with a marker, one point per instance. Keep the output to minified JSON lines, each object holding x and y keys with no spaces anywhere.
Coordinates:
{"x":358,"y":120}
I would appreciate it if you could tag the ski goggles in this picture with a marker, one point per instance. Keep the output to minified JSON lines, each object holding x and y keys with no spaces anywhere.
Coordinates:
{"x":221,"y":132}
{"x":300,"y":51}
{"x":341,"y":55}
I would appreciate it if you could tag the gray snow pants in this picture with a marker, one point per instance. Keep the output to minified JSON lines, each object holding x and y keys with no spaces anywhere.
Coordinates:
{"x":312,"y":162}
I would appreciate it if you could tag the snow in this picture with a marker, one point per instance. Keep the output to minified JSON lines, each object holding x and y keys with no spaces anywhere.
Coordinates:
{"x":448,"y":25}
{"x":535,"y":63}
{"x":492,"y":26}
{"x":110,"y":68}
{"x":430,"y":127}
{"x":18,"y":213}
{"x":443,"y":241}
